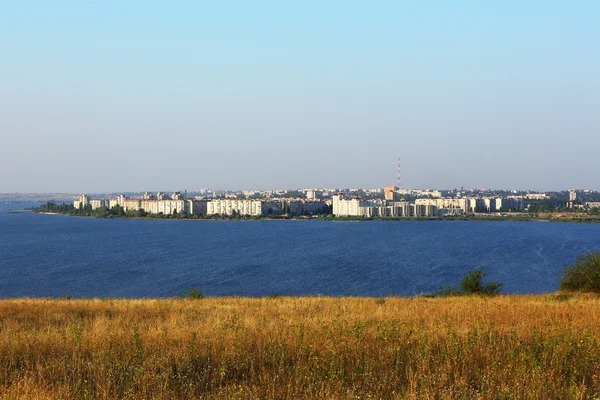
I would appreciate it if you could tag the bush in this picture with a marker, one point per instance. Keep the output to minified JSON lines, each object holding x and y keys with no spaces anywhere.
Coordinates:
{"x":472,"y":283}
{"x":194,"y":293}
{"x":445,"y":291}
{"x":584,"y":275}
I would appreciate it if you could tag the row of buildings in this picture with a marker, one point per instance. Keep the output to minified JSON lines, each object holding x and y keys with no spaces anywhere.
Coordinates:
{"x":266,"y":207}
{"x":388,"y":207}
{"x":178,"y":204}
{"x":151,"y":204}
{"x":340,"y":205}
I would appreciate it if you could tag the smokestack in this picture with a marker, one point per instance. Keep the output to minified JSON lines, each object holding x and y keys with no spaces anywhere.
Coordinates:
{"x":398,"y":177}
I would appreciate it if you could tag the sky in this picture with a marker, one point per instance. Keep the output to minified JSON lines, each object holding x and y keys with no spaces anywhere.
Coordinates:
{"x":103,"y":96}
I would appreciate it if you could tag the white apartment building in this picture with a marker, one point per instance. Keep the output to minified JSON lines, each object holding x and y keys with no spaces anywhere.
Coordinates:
{"x":95,"y":204}
{"x":475,"y":204}
{"x":166,"y":206}
{"x":425,"y":210}
{"x":346,"y":207}
{"x":242,"y":207}
{"x":402,"y":209}
{"x":85,"y":201}
{"x":118,"y":201}
{"x":155,"y":206}
{"x":537,"y":196}
{"x":82,"y":201}
{"x":148,"y":203}
{"x":356,"y":207}
{"x":572,"y":195}
{"x":428,"y":207}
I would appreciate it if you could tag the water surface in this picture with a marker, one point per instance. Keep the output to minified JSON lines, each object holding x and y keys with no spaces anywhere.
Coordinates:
{"x":51,"y":255}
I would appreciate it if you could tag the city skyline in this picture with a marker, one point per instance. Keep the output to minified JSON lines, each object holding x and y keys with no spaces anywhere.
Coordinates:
{"x":112,"y":96}
{"x":195,"y":190}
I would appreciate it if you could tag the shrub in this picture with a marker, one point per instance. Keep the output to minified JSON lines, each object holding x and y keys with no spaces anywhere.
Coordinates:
{"x":194,"y":293}
{"x":445,"y":291}
{"x":472,"y":284}
{"x":584,"y":275}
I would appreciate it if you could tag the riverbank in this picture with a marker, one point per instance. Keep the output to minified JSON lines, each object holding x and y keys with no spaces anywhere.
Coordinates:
{"x":534,"y":347}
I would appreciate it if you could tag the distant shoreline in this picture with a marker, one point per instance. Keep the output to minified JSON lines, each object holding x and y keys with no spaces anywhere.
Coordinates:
{"x":491,"y":218}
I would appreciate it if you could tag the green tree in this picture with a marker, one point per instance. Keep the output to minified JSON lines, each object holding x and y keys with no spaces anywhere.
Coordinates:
{"x":584,"y":274}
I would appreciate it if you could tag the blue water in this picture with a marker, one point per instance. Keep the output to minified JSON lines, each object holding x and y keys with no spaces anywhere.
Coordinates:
{"x":51,"y":255}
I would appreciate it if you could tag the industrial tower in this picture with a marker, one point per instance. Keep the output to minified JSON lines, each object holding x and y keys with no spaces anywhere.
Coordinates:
{"x":398,"y":177}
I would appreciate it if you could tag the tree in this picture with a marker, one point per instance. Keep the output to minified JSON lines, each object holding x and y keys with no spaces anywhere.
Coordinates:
{"x":118,"y":210}
{"x":584,"y":274}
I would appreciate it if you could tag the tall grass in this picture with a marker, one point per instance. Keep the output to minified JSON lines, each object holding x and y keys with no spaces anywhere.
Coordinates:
{"x":506,"y":347}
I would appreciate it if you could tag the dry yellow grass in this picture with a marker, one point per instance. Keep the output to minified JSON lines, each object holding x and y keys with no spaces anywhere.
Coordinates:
{"x":507,"y":347}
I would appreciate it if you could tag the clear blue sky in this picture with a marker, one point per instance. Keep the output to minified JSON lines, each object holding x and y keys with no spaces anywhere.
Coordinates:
{"x":150,"y":95}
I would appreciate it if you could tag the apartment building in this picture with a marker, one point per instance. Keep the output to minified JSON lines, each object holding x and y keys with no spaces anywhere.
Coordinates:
{"x":423,"y":207}
{"x":242,"y":207}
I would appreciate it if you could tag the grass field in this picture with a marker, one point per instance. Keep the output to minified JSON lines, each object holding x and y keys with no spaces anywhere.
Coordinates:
{"x":505,"y":347}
